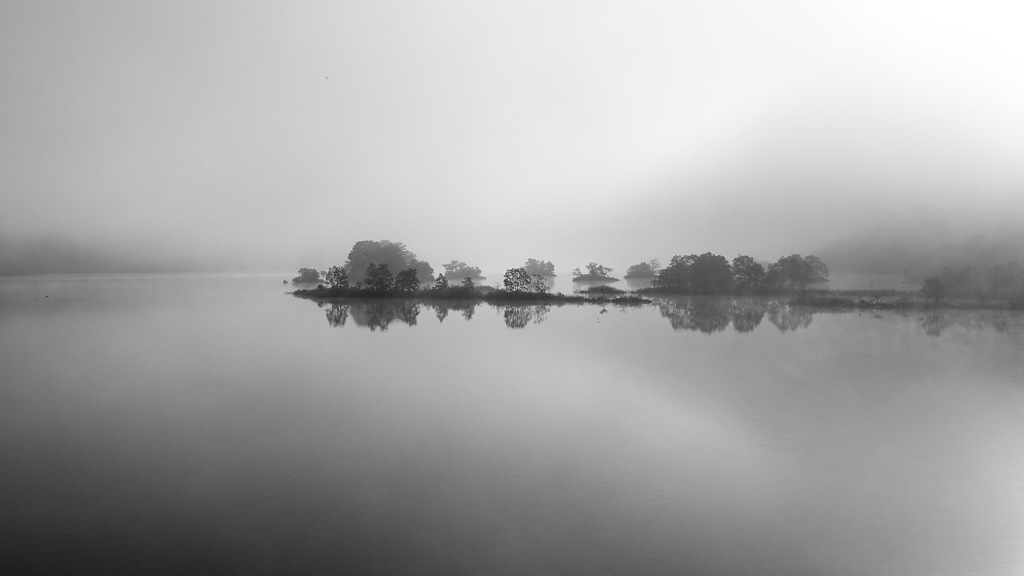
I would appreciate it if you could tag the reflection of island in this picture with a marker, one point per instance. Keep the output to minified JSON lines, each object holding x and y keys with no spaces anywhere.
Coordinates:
{"x":519,"y":315}
{"x":373,"y":314}
{"x":705,"y":314}
{"x":935,"y":322}
{"x":697,"y":314}
{"x":713,"y":314}
{"x":443,"y":307}
{"x":786,"y":317}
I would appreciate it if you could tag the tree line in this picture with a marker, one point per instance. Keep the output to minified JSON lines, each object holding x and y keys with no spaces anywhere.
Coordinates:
{"x":390,"y":267}
{"x":710,"y":273}
{"x":966,"y":280}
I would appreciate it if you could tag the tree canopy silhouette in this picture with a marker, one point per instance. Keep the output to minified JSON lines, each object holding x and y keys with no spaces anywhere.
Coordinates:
{"x":458,"y":269}
{"x":541,"y":267}
{"x":394,"y":255}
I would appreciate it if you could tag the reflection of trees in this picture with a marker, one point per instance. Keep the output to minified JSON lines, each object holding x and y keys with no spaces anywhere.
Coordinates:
{"x":519,"y":315}
{"x":375,"y":314}
{"x":382,"y":312}
{"x":786,"y":317}
{"x":443,"y":307}
{"x":707,"y":315}
{"x":711,"y":314}
{"x":337,"y":315}
{"x":746,"y":315}
{"x":934,"y":322}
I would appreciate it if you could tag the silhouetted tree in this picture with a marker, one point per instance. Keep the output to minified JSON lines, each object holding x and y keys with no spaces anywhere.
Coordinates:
{"x":392,"y":254}
{"x":799,"y":272}
{"x":644,"y":269}
{"x":594,"y":271}
{"x":516,"y":280}
{"x":467,"y":282}
{"x":710,"y":274}
{"x":675,"y":276}
{"x":336,"y":277}
{"x":819,"y":271}
{"x":307,"y":276}
{"x":406,"y":281}
{"x":534,"y":267}
{"x":456,"y":269}
{"x":442,"y":282}
{"x":379,"y":278}
{"x":424,"y":271}
{"x":933,"y":289}
{"x":539,"y":284}
{"x":747,"y":273}
{"x":774,"y":279}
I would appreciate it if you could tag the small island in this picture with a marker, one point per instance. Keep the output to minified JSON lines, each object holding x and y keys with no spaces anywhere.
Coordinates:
{"x":595,"y":273}
{"x":369,"y":273}
{"x":648,"y":269}
{"x":518,"y":286}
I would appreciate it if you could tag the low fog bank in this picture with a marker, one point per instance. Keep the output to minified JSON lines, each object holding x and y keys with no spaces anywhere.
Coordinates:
{"x":916,"y":254}
{"x":59,"y":254}
{"x":904,"y":252}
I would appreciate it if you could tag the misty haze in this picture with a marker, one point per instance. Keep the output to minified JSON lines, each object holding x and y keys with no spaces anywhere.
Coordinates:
{"x":512,"y":288}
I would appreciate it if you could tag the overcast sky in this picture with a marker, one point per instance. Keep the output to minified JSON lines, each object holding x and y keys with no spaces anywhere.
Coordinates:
{"x":495,"y":131}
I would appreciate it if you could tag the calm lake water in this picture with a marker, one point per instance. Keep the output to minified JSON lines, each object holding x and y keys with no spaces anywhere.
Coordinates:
{"x":190,"y":424}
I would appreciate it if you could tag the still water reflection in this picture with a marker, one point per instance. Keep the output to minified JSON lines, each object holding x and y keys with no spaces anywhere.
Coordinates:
{"x":164,"y":424}
{"x":707,"y":315}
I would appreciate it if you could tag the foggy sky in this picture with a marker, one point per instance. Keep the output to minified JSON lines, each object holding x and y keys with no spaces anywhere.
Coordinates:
{"x":268,"y":135}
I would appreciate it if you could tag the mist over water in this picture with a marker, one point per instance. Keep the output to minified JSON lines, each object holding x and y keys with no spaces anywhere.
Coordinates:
{"x":217,"y":423}
{"x":167,"y":407}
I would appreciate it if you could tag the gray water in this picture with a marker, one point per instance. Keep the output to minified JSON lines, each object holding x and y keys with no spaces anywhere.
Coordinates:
{"x":186,"y":424}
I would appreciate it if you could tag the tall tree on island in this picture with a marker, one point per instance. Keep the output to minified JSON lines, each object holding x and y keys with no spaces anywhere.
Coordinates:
{"x":395,"y":255}
{"x":406,"y":281}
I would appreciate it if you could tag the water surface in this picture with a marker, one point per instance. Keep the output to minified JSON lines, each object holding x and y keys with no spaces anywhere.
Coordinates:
{"x":176,"y":424}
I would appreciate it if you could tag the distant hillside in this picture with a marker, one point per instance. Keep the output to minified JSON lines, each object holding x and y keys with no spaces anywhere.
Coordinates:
{"x":916,"y":256}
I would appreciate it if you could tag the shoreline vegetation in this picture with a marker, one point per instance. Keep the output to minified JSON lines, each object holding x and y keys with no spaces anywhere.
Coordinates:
{"x":471,"y":293}
{"x":368,"y":274}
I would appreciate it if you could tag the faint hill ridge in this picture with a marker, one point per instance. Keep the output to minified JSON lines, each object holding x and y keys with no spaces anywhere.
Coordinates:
{"x":917,"y":254}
